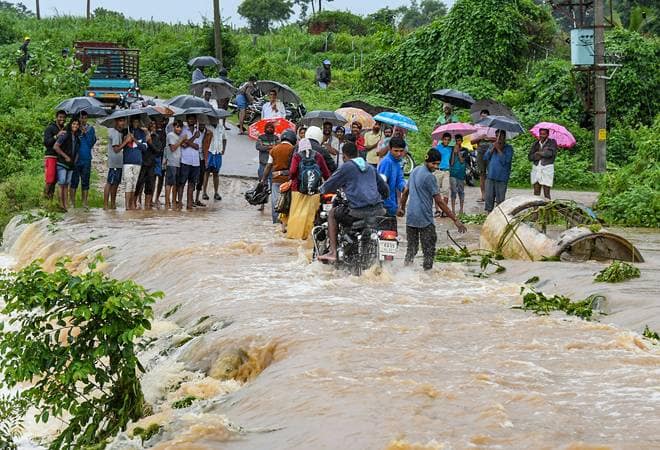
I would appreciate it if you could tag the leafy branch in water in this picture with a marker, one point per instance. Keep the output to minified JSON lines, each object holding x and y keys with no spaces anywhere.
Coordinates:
{"x":476,"y":219}
{"x":617,"y":272}
{"x":74,"y":339}
{"x":650,"y":334}
{"x":542,"y":305}
{"x":487,"y":258}
{"x":184,"y":402}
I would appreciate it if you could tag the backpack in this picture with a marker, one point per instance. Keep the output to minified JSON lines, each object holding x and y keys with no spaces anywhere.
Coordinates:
{"x":309,"y":174}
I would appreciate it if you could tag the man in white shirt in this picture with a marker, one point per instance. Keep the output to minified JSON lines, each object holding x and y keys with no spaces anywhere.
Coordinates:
{"x":214,"y":159}
{"x":274,"y":108}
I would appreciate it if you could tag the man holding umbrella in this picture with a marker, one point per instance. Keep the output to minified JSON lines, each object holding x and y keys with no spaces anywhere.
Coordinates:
{"x":542,"y":155}
{"x":498,"y":157}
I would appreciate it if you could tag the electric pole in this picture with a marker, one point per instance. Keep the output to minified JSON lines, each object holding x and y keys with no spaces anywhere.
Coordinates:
{"x":217,"y":29}
{"x":38,"y":10}
{"x":600,"y":102}
{"x":89,"y":9}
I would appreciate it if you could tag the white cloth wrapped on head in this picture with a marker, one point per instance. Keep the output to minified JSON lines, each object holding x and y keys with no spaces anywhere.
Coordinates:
{"x":543,"y":175}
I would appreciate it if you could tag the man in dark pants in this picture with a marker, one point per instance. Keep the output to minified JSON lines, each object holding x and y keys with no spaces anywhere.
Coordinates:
{"x":422,"y":190}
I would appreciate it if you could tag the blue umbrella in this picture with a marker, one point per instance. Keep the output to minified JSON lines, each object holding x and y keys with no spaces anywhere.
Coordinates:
{"x":397,"y":120}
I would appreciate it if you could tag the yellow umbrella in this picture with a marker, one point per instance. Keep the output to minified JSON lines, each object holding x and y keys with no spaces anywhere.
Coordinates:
{"x":357,"y":115}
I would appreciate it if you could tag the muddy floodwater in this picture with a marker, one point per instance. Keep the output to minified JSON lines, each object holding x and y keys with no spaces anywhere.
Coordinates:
{"x":283,"y":354}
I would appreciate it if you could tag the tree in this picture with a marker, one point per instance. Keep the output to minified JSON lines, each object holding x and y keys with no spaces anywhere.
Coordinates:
{"x":416,"y":15}
{"x":261,"y":13}
{"x":73,"y":338}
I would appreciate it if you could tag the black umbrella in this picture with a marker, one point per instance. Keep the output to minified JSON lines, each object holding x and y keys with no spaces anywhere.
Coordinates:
{"x":366,"y":107}
{"x":203,"y":61}
{"x":203,"y":114}
{"x":128,"y":114}
{"x":502,"y":123}
{"x":318,"y":118}
{"x":188,"y":101}
{"x":494,"y":109}
{"x":453,"y":97}
{"x":219,"y":88}
{"x":284,"y":92}
{"x":75,"y":105}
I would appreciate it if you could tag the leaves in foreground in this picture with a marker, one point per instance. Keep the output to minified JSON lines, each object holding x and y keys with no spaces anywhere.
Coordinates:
{"x":617,"y":272}
{"x":74,"y":334}
{"x":543,"y":305}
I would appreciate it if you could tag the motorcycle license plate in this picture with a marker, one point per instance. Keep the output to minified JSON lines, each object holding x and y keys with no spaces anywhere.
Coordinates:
{"x":327,"y":207}
{"x":387,"y":248}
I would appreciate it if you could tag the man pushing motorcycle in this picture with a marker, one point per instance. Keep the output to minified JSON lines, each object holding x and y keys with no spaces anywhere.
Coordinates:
{"x":364,"y":189}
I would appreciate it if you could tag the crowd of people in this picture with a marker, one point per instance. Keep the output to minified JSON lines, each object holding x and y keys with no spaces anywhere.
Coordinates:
{"x":366,"y":164}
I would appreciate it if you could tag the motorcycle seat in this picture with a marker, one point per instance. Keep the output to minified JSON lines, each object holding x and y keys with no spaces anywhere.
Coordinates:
{"x":366,"y":222}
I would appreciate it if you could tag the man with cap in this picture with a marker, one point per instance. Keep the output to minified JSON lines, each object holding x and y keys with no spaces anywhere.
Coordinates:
{"x":422,"y":191}
{"x":324,"y":75}
{"x":25,"y":55}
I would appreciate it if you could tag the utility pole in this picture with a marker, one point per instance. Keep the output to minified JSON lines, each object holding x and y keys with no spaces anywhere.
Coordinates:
{"x":38,"y":10}
{"x":89,"y":9}
{"x":600,"y":101}
{"x":217,"y":29}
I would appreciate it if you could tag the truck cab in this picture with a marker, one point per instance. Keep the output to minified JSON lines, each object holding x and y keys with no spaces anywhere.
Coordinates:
{"x":116,"y":70}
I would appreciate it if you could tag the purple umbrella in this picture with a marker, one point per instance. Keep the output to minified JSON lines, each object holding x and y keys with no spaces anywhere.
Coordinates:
{"x":454,"y":128}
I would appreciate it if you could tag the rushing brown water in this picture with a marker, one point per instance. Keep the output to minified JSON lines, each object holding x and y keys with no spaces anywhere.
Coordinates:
{"x":296,"y":355}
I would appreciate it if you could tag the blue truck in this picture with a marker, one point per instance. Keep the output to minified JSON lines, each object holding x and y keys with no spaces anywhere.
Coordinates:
{"x":116,"y":74}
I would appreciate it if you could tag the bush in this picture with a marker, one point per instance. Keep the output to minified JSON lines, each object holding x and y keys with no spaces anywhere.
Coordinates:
{"x":338,"y":22}
{"x":457,"y":46}
{"x":72,"y":337}
{"x":630,"y":196}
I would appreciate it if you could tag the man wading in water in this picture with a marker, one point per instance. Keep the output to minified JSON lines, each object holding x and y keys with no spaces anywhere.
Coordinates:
{"x":422,"y":190}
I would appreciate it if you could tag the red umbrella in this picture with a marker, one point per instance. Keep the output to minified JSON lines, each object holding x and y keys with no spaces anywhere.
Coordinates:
{"x":259,"y":128}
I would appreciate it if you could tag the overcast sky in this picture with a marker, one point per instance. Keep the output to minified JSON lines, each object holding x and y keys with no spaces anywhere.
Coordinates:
{"x":173,"y":10}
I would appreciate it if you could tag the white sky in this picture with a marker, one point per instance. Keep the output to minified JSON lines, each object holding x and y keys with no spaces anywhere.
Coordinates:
{"x":172,"y":11}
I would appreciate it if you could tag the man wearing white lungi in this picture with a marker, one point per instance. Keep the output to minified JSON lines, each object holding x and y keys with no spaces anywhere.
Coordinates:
{"x":542,"y":155}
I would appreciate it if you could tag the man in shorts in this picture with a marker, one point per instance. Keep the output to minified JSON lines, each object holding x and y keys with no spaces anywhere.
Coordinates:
{"x":116,"y":144}
{"x":172,"y":156}
{"x":214,"y":159}
{"x":51,"y":133}
{"x":442,"y":173}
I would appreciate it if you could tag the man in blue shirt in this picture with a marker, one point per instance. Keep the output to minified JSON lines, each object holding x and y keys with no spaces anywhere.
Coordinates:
{"x":498,"y":158}
{"x":83,"y":168}
{"x":391,"y":171}
{"x":422,"y":190}
{"x":442,"y":174}
{"x":364,"y":190}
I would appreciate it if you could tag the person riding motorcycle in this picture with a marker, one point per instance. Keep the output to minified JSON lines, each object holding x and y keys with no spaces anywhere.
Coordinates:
{"x":365,"y":191}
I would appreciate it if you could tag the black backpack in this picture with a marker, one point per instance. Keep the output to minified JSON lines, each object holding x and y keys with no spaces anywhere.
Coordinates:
{"x":309,"y":174}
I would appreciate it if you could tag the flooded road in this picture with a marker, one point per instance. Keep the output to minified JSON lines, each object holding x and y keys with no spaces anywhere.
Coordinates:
{"x":284,"y":354}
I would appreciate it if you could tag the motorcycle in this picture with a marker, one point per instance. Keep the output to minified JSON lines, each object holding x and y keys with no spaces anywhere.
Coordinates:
{"x":130,"y":98}
{"x":366,"y":242}
{"x":408,"y":163}
{"x":294,"y":112}
{"x":471,"y":173}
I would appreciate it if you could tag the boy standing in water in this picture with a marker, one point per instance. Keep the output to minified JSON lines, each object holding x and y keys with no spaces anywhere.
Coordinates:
{"x":457,"y":174}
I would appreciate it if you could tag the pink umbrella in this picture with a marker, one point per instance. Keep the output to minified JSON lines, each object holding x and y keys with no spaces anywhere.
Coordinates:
{"x":561,"y":135}
{"x":453,"y":129}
